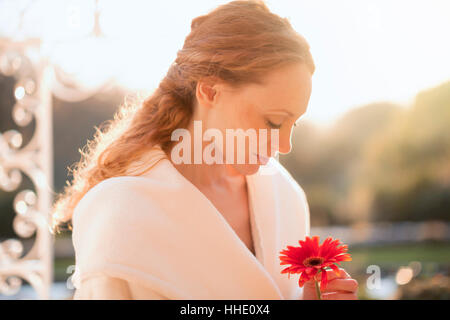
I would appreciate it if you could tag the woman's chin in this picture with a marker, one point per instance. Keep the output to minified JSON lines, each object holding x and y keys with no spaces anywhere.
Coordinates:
{"x":248,"y":169}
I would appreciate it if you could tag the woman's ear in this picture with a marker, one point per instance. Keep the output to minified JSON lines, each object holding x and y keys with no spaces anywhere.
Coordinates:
{"x":206,"y":93}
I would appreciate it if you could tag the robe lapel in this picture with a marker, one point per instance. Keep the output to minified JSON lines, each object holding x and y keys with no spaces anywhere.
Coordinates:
{"x":264,"y":203}
{"x":264,"y":226}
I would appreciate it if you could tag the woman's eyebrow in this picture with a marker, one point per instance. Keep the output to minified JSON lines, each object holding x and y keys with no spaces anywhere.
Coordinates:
{"x":283,"y":110}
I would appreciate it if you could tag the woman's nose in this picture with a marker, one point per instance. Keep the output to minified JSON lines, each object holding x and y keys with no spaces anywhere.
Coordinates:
{"x":283,"y":145}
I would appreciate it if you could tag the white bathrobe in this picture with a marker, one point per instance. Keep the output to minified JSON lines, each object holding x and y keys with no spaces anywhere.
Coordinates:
{"x":157,"y":236}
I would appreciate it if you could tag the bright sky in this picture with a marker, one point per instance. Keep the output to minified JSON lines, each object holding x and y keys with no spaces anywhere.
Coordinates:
{"x":365,"y":51}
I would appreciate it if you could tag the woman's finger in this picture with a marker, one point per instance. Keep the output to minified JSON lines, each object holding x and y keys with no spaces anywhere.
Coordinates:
{"x":349,"y":285}
{"x":339,"y":296}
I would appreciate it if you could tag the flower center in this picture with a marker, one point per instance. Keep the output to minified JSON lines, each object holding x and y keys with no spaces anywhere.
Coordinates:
{"x":312,"y":261}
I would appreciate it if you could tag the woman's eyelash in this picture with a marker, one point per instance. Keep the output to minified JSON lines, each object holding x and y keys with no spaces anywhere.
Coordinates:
{"x":277,"y":126}
{"x":273,"y":125}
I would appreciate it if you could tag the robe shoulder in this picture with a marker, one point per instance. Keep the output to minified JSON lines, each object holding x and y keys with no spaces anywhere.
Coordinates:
{"x":119,"y":198}
{"x":120,"y":224}
{"x":121,"y":214}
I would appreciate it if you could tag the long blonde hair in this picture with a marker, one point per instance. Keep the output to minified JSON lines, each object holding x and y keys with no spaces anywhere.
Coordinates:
{"x":238,"y":43}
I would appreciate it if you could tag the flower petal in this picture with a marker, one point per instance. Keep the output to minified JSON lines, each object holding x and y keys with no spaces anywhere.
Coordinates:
{"x":335,"y":269}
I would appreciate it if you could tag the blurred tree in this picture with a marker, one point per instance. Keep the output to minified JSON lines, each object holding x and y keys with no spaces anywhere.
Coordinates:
{"x":407,"y":166}
{"x":327,"y":163}
{"x":379,"y":162}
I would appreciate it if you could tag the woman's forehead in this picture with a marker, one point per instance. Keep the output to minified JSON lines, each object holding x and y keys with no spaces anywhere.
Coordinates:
{"x":277,"y":95}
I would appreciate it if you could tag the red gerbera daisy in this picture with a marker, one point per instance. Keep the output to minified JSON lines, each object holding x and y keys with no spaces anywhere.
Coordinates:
{"x":311,"y":258}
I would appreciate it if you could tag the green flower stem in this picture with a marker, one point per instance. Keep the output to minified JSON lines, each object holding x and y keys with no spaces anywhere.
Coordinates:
{"x":319,"y":296}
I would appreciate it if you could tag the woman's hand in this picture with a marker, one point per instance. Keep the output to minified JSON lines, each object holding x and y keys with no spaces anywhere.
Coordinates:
{"x":341,"y":287}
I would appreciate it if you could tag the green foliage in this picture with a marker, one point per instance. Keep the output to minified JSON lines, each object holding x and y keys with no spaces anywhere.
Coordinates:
{"x":409,"y":163}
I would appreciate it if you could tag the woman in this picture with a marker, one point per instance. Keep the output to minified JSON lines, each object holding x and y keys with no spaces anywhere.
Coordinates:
{"x":149,"y":226}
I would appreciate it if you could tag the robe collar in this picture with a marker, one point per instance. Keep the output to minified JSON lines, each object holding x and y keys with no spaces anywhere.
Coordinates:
{"x":263,"y":206}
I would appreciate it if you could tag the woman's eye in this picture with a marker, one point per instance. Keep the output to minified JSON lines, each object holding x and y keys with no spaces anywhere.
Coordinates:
{"x":273,"y":125}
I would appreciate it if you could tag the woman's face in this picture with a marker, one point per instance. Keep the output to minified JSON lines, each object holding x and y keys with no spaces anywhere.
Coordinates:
{"x":277,"y":104}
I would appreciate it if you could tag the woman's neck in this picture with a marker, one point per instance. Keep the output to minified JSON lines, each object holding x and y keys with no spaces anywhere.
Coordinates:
{"x":214,"y":175}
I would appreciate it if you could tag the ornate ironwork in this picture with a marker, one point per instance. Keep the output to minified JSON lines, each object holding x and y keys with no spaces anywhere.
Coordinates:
{"x":32,"y":208}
